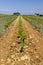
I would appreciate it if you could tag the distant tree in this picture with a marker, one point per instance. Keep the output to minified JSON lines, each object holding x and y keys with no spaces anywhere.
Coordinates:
{"x":41,"y":15}
{"x":16,"y":13}
{"x":37,"y":14}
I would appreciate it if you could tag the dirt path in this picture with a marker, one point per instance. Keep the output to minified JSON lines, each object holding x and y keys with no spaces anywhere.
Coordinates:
{"x":33,"y":37}
{"x":8,"y":39}
{"x":10,"y":47}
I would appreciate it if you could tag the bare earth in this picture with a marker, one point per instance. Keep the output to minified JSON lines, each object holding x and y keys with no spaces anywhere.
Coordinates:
{"x":9,"y":47}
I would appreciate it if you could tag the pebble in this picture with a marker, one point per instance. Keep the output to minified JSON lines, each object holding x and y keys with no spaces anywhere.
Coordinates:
{"x":2,"y":60}
{"x":37,"y":56}
{"x":12,"y":56}
{"x":8,"y":60}
{"x":13,"y":44}
{"x":30,"y":43}
{"x":18,"y":59}
{"x":25,"y":57}
{"x":30,"y":36}
{"x":37,"y":40}
{"x":25,"y":46}
{"x":39,"y":47}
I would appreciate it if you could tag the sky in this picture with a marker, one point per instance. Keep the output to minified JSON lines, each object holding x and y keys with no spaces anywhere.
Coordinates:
{"x":22,"y":6}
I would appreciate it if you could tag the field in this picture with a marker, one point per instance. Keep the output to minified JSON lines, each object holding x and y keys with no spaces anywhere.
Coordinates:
{"x":22,"y":42}
{"x":36,"y":22}
{"x":5,"y":21}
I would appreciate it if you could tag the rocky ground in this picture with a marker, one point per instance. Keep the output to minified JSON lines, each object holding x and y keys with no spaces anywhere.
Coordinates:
{"x":10,"y":47}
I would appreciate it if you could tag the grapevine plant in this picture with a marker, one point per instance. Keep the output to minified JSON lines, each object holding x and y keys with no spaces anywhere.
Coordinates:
{"x":22,"y":35}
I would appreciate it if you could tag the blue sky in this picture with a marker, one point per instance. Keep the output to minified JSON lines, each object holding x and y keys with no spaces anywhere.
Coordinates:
{"x":22,"y":6}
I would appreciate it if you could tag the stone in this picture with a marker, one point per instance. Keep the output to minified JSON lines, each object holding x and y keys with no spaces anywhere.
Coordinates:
{"x":30,"y":43}
{"x":30,"y":36}
{"x":12,"y":56}
{"x":37,"y":56}
{"x":25,"y":57}
{"x":13,"y":44}
{"x":8,"y":60}
{"x":2,"y":60}
{"x":25,"y":46}
{"x":37,"y":40}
